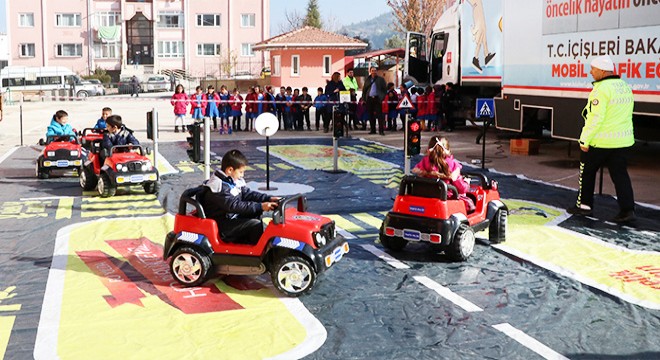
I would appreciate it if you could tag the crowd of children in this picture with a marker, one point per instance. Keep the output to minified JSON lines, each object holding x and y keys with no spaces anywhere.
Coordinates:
{"x":432,"y":105}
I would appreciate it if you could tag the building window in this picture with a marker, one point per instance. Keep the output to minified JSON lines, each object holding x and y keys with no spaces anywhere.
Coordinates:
{"x":208,"y":20}
{"x":27,"y":50}
{"x":106,"y":51}
{"x":295,"y":65}
{"x":170,"y":49}
{"x":170,"y":20}
{"x":327,"y":65}
{"x":247,"y":20}
{"x":208,"y":49}
{"x":246,"y":50}
{"x":277,"y":65}
{"x":69,"y":50}
{"x":67,"y":20}
{"x":26,"y":20}
{"x":106,"y":18}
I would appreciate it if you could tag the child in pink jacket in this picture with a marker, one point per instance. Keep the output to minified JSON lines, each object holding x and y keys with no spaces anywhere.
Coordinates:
{"x":180,"y":103}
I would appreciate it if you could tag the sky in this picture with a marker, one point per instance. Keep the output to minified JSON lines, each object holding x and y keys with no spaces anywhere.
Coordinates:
{"x":343,"y":12}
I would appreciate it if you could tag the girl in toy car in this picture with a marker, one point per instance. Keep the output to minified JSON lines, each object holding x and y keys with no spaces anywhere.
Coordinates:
{"x":440,"y":163}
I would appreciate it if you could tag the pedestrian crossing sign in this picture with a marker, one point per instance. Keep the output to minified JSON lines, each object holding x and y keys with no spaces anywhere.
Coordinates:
{"x":405,"y":103}
{"x":485,"y":108}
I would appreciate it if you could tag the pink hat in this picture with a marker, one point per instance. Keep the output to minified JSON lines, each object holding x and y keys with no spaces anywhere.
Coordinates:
{"x":603,"y":62}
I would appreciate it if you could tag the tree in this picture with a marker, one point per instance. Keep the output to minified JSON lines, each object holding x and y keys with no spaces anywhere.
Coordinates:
{"x":415,"y":15}
{"x":394,"y":42}
{"x":292,"y":20}
{"x":313,"y":17}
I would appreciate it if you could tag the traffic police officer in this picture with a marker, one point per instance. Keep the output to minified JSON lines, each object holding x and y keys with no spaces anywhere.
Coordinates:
{"x":606,"y":139}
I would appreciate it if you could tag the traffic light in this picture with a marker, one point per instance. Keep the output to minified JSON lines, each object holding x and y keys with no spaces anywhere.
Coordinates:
{"x":414,"y":138}
{"x":195,"y":142}
{"x":337,"y":122}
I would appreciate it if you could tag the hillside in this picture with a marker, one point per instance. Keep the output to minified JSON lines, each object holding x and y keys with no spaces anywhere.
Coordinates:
{"x":375,"y":30}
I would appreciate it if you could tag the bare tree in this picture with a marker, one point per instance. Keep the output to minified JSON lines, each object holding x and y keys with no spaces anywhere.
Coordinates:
{"x":292,"y":20}
{"x":415,"y":15}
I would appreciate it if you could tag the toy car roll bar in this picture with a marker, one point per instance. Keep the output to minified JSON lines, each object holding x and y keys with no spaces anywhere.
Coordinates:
{"x":187,"y":198}
{"x":426,"y":187}
{"x":485,"y":183}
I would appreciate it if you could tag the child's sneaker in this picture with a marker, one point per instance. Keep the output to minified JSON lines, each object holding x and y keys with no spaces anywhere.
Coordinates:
{"x":229,"y":131}
{"x":221,"y":131}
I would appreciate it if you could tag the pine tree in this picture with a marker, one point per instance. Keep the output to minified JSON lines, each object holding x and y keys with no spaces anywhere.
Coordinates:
{"x":313,"y":17}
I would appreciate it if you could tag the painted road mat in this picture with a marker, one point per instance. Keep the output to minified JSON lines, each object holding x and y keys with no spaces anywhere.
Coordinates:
{"x":83,"y":277}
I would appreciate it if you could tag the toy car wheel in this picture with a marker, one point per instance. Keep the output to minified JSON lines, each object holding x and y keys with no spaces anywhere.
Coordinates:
{"x":151,"y":187}
{"x":189,"y":267}
{"x":105,"y":187}
{"x":497,"y":228}
{"x":88,"y":179}
{"x":41,"y":173}
{"x":392,"y":243}
{"x":463,"y":244}
{"x":293,"y":275}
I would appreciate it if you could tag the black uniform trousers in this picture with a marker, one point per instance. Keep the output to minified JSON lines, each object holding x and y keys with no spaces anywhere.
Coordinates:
{"x":617,"y":164}
{"x":374,"y":109}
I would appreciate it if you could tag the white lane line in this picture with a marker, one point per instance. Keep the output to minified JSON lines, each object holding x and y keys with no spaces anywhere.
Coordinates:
{"x":529,"y":342}
{"x":8,"y":154}
{"x":448,"y":294}
{"x":385,"y":257}
{"x":49,"y":198}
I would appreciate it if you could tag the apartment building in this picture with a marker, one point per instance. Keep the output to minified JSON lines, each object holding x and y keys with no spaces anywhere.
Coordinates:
{"x":201,"y":37}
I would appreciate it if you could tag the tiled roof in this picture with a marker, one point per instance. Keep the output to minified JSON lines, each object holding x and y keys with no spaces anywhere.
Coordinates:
{"x":309,"y":37}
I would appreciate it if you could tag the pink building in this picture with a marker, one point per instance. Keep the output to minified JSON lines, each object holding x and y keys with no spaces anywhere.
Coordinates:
{"x":307,"y":56}
{"x":202,"y":38}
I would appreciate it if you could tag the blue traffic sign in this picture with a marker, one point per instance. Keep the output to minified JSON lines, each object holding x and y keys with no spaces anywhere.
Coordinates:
{"x":485,"y":108}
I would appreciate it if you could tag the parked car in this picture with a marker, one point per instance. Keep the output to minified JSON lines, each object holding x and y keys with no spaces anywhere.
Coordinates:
{"x":265,"y":72}
{"x":96,"y":83}
{"x":124,"y":85}
{"x":157,"y":83}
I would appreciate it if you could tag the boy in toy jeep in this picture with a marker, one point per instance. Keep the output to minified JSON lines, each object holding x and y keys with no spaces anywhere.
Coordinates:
{"x":105,"y":113}
{"x":117,"y":134}
{"x":237,"y":209}
{"x":58,"y":125}
{"x":440,"y":163}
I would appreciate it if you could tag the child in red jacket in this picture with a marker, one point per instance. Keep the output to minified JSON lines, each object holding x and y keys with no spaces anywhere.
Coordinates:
{"x":180,"y":102}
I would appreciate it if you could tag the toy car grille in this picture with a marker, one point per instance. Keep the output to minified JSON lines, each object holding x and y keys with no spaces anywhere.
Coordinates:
{"x":134,"y":166}
{"x":328,"y":230}
{"x":62,"y":153}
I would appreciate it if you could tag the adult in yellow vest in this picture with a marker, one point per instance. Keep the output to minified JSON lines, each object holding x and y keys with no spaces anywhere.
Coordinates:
{"x":606,"y":139}
{"x":350,"y":82}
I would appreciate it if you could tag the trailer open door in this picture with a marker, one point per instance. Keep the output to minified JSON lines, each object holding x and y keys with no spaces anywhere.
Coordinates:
{"x":416,"y":64}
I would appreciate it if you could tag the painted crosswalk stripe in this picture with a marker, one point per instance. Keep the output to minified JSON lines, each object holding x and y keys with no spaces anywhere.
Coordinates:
{"x":122,"y":205}
{"x":122,"y":212}
{"x":64,"y":208}
{"x":345,"y":224}
{"x":283,"y":166}
{"x":385,"y":257}
{"x":369,"y":219}
{"x":119,"y":199}
{"x":448,"y":294}
{"x":529,"y":342}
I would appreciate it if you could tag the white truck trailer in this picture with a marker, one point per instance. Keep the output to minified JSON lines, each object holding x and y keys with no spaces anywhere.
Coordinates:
{"x":533,"y":56}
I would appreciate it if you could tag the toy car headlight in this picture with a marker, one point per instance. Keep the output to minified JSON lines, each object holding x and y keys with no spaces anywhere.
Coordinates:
{"x":51,"y":153}
{"x":74,"y":152}
{"x":119,"y":167}
{"x":319,"y":240}
{"x":147,"y":166}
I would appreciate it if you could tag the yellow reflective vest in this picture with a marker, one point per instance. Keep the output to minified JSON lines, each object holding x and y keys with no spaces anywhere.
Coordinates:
{"x":350,"y":83}
{"x":608,"y":115}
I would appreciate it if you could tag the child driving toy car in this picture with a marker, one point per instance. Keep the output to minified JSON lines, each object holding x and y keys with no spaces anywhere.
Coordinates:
{"x":440,"y":163}
{"x":117,"y":134}
{"x":237,"y":209}
{"x":58,"y":125}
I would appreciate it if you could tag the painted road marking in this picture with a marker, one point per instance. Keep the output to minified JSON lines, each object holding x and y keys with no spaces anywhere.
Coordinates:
{"x":64,"y":209}
{"x":345,"y":224}
{"x":448,"y":294}
{"x":369,"y":219}
{"x":529,"y":342}
{"x":385,"y":257}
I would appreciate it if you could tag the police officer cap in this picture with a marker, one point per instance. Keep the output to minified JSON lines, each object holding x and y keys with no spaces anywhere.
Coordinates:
{"x":603,"y":62}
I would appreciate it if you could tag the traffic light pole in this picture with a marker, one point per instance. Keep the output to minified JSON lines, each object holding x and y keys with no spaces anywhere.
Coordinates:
{"x":154,"y":129}
{"x":406,"y":158}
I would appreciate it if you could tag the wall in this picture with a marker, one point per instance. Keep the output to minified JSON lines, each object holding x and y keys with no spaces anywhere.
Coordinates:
{"x":311,"y":67}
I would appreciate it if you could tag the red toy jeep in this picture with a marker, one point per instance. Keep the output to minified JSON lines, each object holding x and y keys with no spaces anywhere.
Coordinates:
{"x":295,"y":247}
{"x":62,"y":152}
{"x":126,"y":165}
{"x":89,"y":135}
{"x":429,"y":210}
